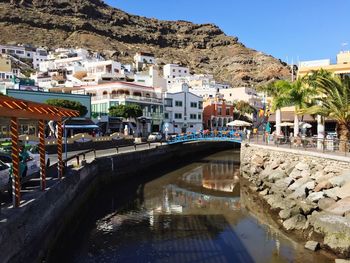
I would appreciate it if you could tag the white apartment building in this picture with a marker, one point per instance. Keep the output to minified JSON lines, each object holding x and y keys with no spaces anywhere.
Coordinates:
{"x":39,"y":56}
{"x":142,"y":59}
{"x":102,"y":70}
{"x":150,"y":78}
{"x":36,"y":55}
{"x":243,"y":93}
{"x":182,"y":110}
{"x":203,"y":85}
{"x":173,"y":71}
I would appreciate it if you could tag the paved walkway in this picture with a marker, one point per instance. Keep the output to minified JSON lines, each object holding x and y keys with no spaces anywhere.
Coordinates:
{"x":309,"y":150}
{"x":31,"y":189}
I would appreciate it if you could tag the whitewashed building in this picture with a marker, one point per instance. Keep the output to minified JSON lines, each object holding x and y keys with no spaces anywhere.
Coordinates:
{"x":182,"y":110}
{"x":150,"y":78}
{"x":173,"y":71}
{"x":246,"y":94}
{"x":142,"y":59}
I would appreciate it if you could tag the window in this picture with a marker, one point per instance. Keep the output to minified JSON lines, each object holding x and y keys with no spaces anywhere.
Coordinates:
{"x":193,"y":116}
{"x":168,"y":102}
{"x":19,"y":52}
{"x":199,"y":116}
{"x":179,"y":70}
{"x":228,"y":111}
{"x":219,"y":111}
{"x":178,"y":115}
{"x":169,"y":81}
{"x":193,"y":104}
{"x":173,"y":76}
{"x":200,"y":105}
{"x":175,"y":126}
{"x":185,"y":71}
{"x":178,"y":103}
{"x":173,"y":70}
{"x":166,"y":115}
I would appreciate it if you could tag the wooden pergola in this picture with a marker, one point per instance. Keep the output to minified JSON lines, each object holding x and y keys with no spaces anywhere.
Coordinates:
{"x":21,"y":109}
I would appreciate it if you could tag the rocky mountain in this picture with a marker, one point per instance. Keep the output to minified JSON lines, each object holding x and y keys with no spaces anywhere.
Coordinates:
{"x":94,"y":25}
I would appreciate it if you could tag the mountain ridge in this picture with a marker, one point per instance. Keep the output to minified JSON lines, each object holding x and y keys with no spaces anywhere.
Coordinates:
{"x":92,"y":24}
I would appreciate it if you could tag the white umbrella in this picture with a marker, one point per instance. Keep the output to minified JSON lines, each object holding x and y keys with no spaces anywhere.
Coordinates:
{"x":305,"y":125}
{"x":238,"y":123}
{"x":286,"y":124}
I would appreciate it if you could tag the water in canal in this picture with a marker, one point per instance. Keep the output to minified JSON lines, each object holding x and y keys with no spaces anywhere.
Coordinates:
{"x":197,"y":213}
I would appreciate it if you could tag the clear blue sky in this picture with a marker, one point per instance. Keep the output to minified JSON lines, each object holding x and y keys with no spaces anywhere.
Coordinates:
{"x":308,"y":29}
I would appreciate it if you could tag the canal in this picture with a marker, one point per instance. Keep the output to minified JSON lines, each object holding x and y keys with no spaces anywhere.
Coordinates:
{"x":195,"y":213}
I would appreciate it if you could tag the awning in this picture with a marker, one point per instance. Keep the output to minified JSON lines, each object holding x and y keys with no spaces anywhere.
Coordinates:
{"x":82,"y":126}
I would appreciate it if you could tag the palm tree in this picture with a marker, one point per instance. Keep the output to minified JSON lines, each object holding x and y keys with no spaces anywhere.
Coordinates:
{"x":334,"y":102}
{"x":297,"y":94}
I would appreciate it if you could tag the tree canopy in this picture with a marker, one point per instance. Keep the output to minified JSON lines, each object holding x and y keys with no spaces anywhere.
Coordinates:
{"x":68,"y":104}
{"x":126,"y":111}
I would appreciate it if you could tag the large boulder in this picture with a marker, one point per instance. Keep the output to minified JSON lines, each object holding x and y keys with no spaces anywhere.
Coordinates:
{"x":340,"y":208}
{"x":284,"y":182}
{"x":287,"y":213}
{"x":295,"y":174}
{"x":312,"y":245}
{"x":332,"y":193}
{"x":257,"y":160}
{"x":336,"y":231}
{"x":302,"y":166}
{"x":315,"y":197}
{"x":298,"y":183}
{"x":275,"y":175}
{"x":279,"y":202}
{"x":317,"y":175}
{"x":323,"y":185}
{"x":296,"y":222}
{"x":343,"y":191}
{"x":342,"y":179}
{"x":325,"y":203}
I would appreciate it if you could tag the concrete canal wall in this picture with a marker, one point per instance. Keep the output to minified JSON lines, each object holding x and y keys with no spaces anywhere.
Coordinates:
{"x":33,"y":229}
{"x":308,"y":192}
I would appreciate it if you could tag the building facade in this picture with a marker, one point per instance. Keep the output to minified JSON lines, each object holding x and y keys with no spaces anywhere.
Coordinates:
{"x":342,"y":65}
{"x":182,"y":110}
{"x":104,"y":96}
{"x":173,"y":71}
{"x":217,"y":113}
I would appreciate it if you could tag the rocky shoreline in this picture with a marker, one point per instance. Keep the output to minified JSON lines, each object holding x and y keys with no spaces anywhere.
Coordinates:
{"x":310,"y":196}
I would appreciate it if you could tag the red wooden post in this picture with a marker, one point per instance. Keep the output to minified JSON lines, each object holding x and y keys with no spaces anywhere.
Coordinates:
{"x":16,"y":184}
{"x":42,"y":155}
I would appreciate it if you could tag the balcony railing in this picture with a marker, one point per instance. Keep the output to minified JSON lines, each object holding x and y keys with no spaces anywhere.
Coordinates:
{"x":126,"y":97}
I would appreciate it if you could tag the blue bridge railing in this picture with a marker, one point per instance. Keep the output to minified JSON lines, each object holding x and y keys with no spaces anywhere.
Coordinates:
{"x":231,"y":136}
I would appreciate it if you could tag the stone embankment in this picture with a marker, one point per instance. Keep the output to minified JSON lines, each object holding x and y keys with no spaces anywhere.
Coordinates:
{"x":309,"y":195}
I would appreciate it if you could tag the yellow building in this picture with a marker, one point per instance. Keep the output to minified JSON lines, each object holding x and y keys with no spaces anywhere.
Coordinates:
{"x":342,"y":65}
{"x":5,"y":64}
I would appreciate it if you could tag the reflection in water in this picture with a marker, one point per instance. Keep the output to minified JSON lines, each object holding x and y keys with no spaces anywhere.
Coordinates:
{"x":193,"y":214}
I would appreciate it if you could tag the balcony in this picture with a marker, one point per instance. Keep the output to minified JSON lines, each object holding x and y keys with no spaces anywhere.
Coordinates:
{"x":127,"y":98}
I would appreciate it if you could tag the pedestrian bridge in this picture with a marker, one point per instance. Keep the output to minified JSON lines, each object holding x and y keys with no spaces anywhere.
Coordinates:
{"x":222,"y":136}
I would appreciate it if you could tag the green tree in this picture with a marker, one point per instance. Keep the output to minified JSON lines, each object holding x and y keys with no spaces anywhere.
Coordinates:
{"x":285,"y":93}
{"x":68,"y":104}
{"x":333,"y":102}
{"x":126,"y":111}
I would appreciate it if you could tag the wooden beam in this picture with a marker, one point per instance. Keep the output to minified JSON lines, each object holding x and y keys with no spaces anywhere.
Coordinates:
{"x":16,"y":183}
{"x":59,"y":149}
{"x":7,"y":112}
{"x":42,"y":155}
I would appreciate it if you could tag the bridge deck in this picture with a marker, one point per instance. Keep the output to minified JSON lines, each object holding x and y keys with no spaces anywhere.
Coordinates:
{"x":227,"y":136}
